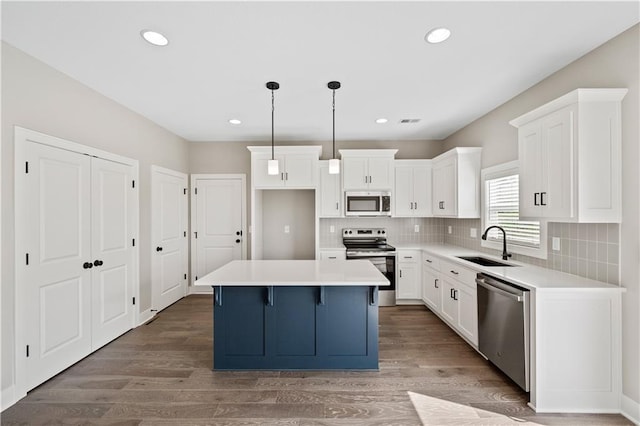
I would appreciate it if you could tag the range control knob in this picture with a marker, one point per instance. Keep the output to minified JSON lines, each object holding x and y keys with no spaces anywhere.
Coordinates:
{"x":378,"y":231}
{"x":383,"y":231}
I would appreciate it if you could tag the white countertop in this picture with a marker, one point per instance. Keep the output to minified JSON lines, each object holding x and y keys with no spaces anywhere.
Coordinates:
{"x":295,"y":273}
{"x":528,"y":276}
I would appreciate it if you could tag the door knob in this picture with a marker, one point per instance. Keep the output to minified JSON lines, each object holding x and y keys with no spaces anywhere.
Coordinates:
{"x":87,"y":265}
{"x":158,"y":248}
{"x":238,"y":240}
{"x":98,"y":263}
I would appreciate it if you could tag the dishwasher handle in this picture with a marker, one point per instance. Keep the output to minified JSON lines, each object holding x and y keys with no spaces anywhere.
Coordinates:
{"x":491,"y":287}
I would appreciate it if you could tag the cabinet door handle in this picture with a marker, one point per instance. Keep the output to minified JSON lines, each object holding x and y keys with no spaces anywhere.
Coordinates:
{"x":373,"y":300}
{"x":429,"y":260}
{"x":321,"y":295}
{"x":332,"y":257}
{"x":281,"y":175}
{"x":158,"y":248}
{"x":286,"y":176}
{"x":98,"y":262}
{"x":454,"y":272}
{"x":435,"y":283}
{"x":337,"y":206}
{"x":408,"y":257}
{"x":535,"y":199}
{"x":415,"y":205}
{"x":400,"y":273}
{"x":451,"y":293}
{"x":270,"y":295}
{"x":411,"y":206}
{"x":370,"y":180}
{"x":542,"y":203}
{"x":366,"y":179}
{"x":87,"y":265}
{"x":455,"y":294}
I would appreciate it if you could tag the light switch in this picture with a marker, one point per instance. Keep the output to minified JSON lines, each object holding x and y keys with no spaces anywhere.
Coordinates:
{"x":555,"y":243}
{"x":332,"y":229}
{"x":286,"y":229}
{"x":473,"y":233}
{"x":416,"y":228}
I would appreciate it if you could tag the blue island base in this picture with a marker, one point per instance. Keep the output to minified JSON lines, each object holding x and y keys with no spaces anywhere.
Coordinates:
{"x":295,"y":328}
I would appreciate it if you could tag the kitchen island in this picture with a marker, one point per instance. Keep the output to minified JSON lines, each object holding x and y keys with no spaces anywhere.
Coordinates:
{"x":295,"y":314}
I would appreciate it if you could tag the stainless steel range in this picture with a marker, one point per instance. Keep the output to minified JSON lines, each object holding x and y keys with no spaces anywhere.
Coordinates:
{"x":371,"y":244}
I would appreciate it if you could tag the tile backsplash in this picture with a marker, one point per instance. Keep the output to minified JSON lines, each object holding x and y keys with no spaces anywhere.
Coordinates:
{"x":590,"y":250}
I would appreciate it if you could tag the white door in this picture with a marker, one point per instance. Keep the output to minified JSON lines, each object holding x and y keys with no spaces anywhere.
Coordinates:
{"x":112,"y":199}
{"x":380,"y":173}
{"x":169,"y":237}
{"x":355,"y":173}
{"x":330,"y":194}
{"x":431,"y":289}
{"x":529,"y":154}
{"x":58,"y":288}
{"x":408,"y":281}
{"x":467,"y":312}
{"x":261,"y":179}
{"x":218,"y":228}
{"x":444,"y":188}
{"x":300,"y":170}
{"x":557,"y":170}
{"x":422,"y":191}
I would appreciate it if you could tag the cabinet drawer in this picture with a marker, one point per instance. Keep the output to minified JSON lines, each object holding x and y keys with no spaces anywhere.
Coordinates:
{"x":459,"y":273}
{"x":332,"y":255}
{"x":431,"y":261}
{"x":408,"y":256}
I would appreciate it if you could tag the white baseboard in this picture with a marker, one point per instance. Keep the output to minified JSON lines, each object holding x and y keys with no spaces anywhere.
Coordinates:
{"x":201,"y":290}
{"x":145,"y":316}
{"x":8,"y":397}
{"x":630,"y":409}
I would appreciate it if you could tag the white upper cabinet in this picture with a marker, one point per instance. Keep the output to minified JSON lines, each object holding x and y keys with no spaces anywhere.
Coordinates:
{"x":570,"y":157}
{"x":297,"y":166}
{"x":412,"y":193}
{"x":329,"y":192}
{"x":456,"y":183}
{"x":367,"y":169}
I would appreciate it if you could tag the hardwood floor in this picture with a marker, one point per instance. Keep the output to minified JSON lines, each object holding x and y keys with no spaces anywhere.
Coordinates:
{"x":160,"y":374}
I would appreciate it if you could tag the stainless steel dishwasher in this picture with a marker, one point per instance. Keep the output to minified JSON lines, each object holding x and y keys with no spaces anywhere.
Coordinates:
{"x":503,"y":327}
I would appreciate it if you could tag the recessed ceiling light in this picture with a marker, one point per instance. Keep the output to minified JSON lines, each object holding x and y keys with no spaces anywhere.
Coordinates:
{"x":154,"y":38}
{"x":437,"y":35}
{"x":381,"y":120}
{"x":235,"y":121}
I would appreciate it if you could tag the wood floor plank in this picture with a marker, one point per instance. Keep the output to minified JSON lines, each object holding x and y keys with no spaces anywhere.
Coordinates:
{"x":160,"y":374}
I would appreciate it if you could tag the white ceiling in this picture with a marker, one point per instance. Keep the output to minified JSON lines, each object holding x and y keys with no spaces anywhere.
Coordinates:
{"x":221,"y":54}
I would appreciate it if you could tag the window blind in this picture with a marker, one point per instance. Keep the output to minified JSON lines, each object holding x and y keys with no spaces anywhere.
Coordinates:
{"x":503,"y":210}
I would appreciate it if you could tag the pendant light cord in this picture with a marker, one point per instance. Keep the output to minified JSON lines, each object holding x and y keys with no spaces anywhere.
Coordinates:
{"x":272,"y":115}
{"x":334,"y":123}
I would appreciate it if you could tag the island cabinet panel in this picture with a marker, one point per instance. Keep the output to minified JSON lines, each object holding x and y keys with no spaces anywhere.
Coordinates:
{"x":295,"y":327}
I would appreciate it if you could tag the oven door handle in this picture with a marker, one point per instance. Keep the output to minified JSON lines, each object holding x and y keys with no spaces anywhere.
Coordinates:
{"x":356,"y":255}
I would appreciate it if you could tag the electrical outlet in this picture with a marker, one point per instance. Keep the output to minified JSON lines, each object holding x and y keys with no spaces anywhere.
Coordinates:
{"x":450,"y":230}
{"x":555,"y":243}
{"x":473,"y":233}
{"x":286,"y":229}
{"x":332,"y":229}
{"x":416,"y":228}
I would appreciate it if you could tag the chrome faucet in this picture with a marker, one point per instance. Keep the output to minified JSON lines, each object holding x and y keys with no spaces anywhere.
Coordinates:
{"x":505,"y":255}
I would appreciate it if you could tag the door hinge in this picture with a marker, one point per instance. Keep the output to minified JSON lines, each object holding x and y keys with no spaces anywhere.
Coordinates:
{"x":133,"y":242}
{"x":26,"y":167}
{"x":27,"y":258}
{"x":185,"y":191}
{"x":27,"y":351}
{"x":133,"y":183}
{"x":134,"y":300}
{"x":185,"y":276}
{"x":196,"y":278}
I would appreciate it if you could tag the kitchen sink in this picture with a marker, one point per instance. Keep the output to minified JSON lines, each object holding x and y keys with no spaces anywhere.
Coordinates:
{"x":483,"y":261}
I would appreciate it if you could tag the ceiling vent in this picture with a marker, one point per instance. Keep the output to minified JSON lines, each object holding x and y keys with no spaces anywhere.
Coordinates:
{"x":409,"y":120}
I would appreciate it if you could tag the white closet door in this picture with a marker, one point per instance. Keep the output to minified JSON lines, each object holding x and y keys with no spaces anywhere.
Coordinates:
{"x":169,"y":238}
{"x":112,"y":196}
{"x":58,"y":287}
{"x":218,"y":223}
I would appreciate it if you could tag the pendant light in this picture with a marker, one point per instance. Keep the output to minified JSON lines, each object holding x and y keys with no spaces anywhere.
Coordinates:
{"x":272,"y":165}
{"x":334,"y":163}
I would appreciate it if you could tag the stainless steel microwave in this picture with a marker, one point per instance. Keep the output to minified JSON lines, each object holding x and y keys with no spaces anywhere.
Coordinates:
{"x":367,"y":203}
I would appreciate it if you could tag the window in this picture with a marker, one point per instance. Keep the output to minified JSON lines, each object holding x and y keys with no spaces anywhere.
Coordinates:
{"x":501,"y":208}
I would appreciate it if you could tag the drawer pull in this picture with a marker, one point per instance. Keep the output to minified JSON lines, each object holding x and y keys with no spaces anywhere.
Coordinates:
{"x":454,"y":272}
{"x":435,"y":283}
{"x":408,"y":257}
{"x":429,"y":261}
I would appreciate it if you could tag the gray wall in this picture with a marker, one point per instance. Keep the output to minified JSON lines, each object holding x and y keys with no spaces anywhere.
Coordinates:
{"x":37,"y":97}
{"x":614,"y":64}
{"x":293,"y":208}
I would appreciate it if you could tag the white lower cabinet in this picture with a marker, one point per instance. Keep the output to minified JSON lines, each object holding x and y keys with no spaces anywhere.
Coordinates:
{"x":431,"y":283}
{"x":451,"y":293}
{"x":333,"y":254}
{"x":408,"y":283}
